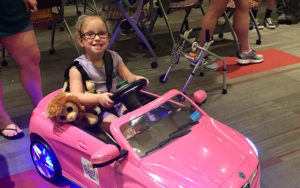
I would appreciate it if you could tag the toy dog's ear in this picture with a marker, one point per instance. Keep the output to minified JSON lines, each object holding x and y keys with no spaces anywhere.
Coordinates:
{"x":55,"y":105}
{"x":51,"y":110}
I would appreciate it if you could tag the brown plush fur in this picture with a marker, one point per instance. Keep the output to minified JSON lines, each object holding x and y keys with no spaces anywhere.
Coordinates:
{"x":81,"y":116}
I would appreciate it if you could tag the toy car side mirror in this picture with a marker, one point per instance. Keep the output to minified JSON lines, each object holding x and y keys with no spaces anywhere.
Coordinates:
{"x":200,"y":97}
{"x":107,"y":155}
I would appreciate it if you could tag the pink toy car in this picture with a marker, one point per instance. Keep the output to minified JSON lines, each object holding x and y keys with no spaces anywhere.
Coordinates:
{"x":173,"y":144}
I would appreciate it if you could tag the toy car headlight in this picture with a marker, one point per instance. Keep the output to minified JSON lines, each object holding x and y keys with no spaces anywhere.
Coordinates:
{"x":252,"y":145}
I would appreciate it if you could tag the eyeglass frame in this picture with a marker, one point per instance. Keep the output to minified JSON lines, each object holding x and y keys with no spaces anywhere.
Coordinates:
{"x":101,"y":35}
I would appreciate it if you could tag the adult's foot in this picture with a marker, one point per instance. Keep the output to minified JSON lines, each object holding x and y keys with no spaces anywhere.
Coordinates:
{"x":12,"y":131}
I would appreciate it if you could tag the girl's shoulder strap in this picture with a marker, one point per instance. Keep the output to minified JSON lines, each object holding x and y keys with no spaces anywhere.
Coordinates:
{"x":79,"y":68}
{"x":109,"y":68}
{"x":83,"y":73}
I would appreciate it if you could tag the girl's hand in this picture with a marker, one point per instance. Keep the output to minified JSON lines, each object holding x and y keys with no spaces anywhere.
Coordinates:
{"x":104,"y":100}
{"x":141,"y":77}
{"x":31,"y":5}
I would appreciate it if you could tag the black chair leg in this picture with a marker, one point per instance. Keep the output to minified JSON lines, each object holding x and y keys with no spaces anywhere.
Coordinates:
{"x":3,"y":62}
{"x":185,"y":21}
{"x":52,"y":50}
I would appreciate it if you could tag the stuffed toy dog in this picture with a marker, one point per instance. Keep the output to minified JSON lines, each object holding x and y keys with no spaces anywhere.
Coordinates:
{"x":66,"y":108}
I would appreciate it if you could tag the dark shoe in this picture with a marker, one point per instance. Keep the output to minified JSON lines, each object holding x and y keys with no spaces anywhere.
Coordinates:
{"x":281,"y":19}
{"x":287,"y":19}
{"x":291,"y":19}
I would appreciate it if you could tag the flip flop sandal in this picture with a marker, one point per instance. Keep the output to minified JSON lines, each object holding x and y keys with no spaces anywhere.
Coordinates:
{"x":17,"y":136}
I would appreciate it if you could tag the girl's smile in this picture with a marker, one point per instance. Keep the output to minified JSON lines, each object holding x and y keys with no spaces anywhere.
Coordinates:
{"x":94,"y":38}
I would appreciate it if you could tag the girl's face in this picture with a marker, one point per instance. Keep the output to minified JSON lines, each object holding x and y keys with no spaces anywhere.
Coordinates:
{"x":94,"y":38}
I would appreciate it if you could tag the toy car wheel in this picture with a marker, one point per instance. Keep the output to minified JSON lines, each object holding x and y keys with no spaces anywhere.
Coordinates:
{"x":45,"y":160}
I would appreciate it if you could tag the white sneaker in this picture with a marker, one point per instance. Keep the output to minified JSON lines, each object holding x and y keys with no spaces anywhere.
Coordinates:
{"x":269,"y":24}
{"x":259,"y":25}
{"x":208,"y":64}
{"x":211,"y":67}
{"x":249,"y":57}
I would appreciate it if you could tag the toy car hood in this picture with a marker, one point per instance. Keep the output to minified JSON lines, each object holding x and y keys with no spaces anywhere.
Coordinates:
{"x":212,"y":159}
{"x":210,"y":155}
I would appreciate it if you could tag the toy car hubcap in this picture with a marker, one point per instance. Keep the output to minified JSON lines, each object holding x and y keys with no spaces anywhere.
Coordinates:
{"x":42,"y":160}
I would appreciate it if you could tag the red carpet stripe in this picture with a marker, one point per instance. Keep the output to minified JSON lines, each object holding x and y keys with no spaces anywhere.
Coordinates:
{"x":273,"y":59}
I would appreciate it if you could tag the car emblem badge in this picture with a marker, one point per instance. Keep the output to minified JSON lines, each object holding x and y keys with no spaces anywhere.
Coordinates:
{"x":242,"y":175}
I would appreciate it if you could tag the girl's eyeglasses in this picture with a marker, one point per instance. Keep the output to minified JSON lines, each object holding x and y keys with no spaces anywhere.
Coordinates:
{"x":89,"y":35}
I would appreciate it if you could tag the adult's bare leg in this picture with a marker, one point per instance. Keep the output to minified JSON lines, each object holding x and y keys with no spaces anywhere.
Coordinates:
{"x":209,"y":21}
{"x":241,"y":23}
{"x":5,"y":121}
{"x":270,"y":4}
{"x":23,"y":48}
{"x":258,"y":4}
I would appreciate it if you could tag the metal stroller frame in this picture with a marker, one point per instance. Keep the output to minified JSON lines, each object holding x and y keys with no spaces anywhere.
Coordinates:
{"x":135,"y":23}
{"x":199,"y":59}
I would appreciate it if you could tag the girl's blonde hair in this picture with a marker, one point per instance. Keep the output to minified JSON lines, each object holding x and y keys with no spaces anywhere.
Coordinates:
{"x":82,"y":19}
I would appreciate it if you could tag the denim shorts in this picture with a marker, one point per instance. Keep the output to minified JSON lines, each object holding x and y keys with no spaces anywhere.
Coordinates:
{"x":28,"y":27}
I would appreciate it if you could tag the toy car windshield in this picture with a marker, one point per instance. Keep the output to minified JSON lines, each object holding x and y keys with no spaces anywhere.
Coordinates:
{"x":161,"y":125}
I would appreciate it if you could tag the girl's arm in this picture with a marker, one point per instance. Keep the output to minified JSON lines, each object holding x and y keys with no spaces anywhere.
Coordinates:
{"x":77,"y":88}
{"x":127,"y":75}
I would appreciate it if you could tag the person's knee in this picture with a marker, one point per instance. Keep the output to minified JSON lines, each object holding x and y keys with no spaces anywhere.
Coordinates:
{"x":215,"y":11}
{"x":243,"y":6}
{"x":211,"y":16}
{"x":109,"y":119}
{"x":219,"y":13}
{"x":35,"y":58}
{"x":30,"y":61}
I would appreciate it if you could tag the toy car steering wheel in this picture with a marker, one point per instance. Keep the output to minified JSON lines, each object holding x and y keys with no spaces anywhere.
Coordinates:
{"x":128,"y":94}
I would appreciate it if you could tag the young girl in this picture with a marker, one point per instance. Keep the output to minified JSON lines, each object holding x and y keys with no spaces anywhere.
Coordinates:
{"x":93,"y":36}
